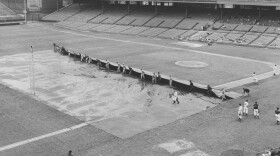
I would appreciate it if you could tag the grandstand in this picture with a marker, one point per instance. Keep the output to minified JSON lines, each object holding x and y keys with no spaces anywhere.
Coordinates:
{"x":7,"y":15}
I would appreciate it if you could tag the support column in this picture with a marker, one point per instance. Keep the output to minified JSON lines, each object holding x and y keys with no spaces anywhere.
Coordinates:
{"x":260,"y":14}
{"x":102,"y":7}
{"x":186,"y":12}
{"x":222,"y":12}
{"x":156,"y":10}
{"x":128,"y":7}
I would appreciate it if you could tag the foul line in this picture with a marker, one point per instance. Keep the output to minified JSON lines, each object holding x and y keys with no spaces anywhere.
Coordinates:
{"x":161,"y":46}
{"x":24,"y":142}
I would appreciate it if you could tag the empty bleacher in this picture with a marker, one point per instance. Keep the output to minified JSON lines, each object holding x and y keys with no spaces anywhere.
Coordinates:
{"x":135,"y":30}
{"x":231,"y":37}
{"x":64,"y":13}
{"x":87,"y":26}
{"x":172,"y":33}
{"x":153,"y":32}
{"x":259,"y":29}
{"x":118,"y":28}
{"x":5,"y":11}
{"x":200,"y":34}
{"x":85,"y":15}
{"x":137,"y":17}
{"x":111,"y":16}
{"x":102,"y":27}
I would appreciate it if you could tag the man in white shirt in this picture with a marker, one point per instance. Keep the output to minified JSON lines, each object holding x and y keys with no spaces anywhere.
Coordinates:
{"x":240,"y":109}
{"x":255,"y":79}
{"x":245,"y":109}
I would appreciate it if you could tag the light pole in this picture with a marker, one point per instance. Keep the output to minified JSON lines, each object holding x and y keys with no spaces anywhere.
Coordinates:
{"x":33,"y":79}
{"x":25,"y":11}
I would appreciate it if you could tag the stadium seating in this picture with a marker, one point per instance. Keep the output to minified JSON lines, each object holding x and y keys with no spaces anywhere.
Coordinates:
{"x":245,"y":17}
{"x":269,"y":18}
{"x":187,"y":34}
{"x":5,"y":11}
{"x":7,"y":15}
{"x":244,"y":28}
{"x":259,"y":29}
{"x":87,"y":26}
{"x":275,"y":43}
{"x":135,"y":30}
{"x":111,"y":16}
{"x":247,"y":38}
{"x":64,"y":13}
{"x":85,"y":15}
{"x":172,"y":33}
{"x":263,"y":41}
{"x":153,"y":32}
{"x":199,"y":35}
{"x":216,"y":36}
{"x":187,"y":24}
{"x":228,"y":27}
{"x":230,"y":38}
{"x":118,"y":29}
{"x":102,"y":27}
{"x":273,"y":30}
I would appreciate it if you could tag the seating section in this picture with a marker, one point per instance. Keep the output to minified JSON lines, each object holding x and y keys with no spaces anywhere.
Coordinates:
{"x":228,"y":27}
{"x":87,"y":26}
{"x":230,"y":38}
{"x":273,"y":30}
{"x":199,"y":35}
{"x":263,"y":41}
{"x":85,"y":15}
{"x":153,"y":32}
{"x":172,"y":33}
{"x":187,"y":24}
{"x":244,"y":28}
{"x":5,"y":11}
{"x":135,"y":30}
{"x":246,"y":39}
{"x":110,"y":17}
{"x":275,"y":43}
{"x":6,"y":14}
{"x":259,"y":29}
{"x":216,"y":36}
{"x":102,"y":27}
{"x":64,"y":13}
{"x":118,"y":29}
{"x":171,"y":24}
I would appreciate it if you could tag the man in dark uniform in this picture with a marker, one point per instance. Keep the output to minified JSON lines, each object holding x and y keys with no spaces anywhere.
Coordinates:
{"x":256,"y":110}
{"x":246,"y":91}
{"x":191,"y":85}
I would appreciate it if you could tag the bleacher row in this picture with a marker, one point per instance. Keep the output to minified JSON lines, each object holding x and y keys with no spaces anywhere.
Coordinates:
{"x":6,"y":14}
{"x":145,"y":23}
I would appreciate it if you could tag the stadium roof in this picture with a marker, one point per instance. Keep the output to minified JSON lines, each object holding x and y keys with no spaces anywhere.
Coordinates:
{"x":234,"y":2}
{"x":251,"y":2}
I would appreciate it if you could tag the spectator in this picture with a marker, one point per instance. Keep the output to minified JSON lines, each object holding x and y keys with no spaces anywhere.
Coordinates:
{"x":209,"y":90}
{"x":159,"y":78}
{"x":170,"y":81}
{"x":154,"y":78}
{"x":119,"y":67}
{"x":191,"y":85}
{"x":223,"y":94}
{"x":107,"y":66}
{"x":175,"y":97}
{"x":123,"y":72}
{"x":130,"y":71}
{"x":142,"y":76}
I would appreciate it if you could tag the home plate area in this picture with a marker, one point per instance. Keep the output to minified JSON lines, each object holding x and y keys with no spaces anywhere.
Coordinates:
{"x":181,"y":147}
